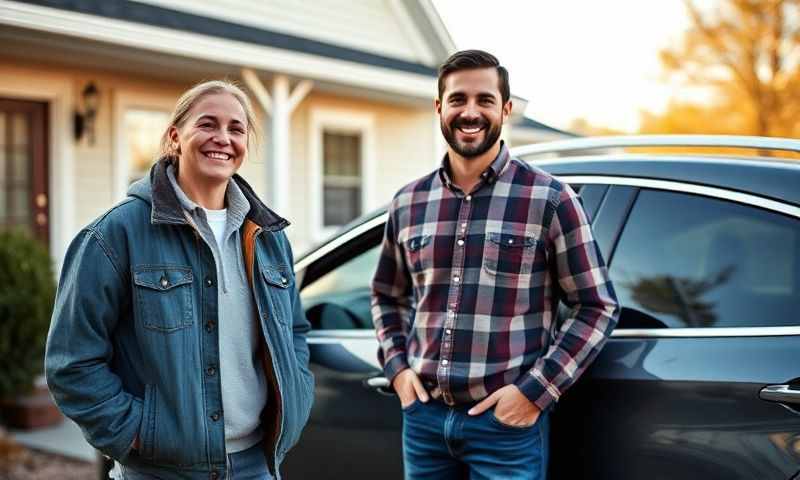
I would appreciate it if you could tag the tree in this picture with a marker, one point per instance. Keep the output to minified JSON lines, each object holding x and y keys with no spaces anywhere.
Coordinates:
{"x":746,"y":54}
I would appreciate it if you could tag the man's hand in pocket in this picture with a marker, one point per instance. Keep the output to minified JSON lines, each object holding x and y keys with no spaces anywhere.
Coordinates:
{"x":409,"y":388}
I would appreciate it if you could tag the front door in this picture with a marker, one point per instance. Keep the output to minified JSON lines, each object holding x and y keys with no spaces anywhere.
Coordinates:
{"x":23,"y":168}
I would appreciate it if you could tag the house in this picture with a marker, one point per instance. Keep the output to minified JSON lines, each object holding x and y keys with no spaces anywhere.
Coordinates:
{"x":343,"y":90}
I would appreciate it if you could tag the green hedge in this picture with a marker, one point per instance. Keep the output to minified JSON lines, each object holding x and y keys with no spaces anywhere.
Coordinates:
{"x":27,"y":291}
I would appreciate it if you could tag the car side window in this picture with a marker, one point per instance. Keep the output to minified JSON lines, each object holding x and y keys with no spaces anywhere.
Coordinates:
{"x":340,"y":299}
{"x":591,"y":195}
{"x":691,"y":261}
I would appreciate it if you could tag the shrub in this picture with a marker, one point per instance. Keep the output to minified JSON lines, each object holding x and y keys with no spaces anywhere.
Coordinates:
{"x":27,"y":291}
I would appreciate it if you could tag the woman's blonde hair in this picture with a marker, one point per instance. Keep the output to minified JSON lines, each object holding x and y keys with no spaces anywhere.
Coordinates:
{"x":191,"y":97}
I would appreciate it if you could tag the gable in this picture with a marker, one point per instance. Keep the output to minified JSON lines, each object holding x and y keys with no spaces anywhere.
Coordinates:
{"x":381,"y":27}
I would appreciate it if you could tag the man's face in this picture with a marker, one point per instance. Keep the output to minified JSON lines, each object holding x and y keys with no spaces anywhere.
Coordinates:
{"x":471,"y":111}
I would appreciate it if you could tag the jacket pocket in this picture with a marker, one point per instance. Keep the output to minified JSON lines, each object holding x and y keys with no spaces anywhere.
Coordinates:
{"x":163,"y":295}
{"x":508,"y":254}
{"x":279,"y":283}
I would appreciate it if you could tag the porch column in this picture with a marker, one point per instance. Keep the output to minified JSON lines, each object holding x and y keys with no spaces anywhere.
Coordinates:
{"x":279,"y":107}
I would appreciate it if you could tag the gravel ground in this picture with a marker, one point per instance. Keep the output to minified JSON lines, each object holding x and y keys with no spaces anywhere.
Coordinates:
{"x":19,"y":463}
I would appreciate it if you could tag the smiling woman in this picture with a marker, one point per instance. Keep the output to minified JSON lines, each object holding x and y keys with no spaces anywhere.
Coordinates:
{"x":158,"y":347}
{"x":207,"y":140}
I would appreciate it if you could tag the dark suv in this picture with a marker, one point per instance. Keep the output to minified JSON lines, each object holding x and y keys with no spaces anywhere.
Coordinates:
{"x":701,"y":378}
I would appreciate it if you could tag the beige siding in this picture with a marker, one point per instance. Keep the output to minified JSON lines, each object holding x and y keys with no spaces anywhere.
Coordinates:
{"x":404,"y":143}
{"x":370,"y":25}
{"x":404,"y":150}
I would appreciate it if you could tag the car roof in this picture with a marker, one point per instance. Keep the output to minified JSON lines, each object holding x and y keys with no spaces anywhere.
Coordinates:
{"x":779,"y":180}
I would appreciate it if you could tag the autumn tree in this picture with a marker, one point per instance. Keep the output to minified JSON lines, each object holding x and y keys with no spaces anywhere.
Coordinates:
{"x":746,"y":54}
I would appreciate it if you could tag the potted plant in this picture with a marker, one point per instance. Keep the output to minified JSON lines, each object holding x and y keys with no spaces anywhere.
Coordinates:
{"x":27,"y":292}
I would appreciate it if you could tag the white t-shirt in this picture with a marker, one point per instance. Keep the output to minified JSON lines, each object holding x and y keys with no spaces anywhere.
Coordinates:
{"x":217,"y":219}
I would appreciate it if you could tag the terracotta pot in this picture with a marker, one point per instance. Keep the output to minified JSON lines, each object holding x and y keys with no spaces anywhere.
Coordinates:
{"x":33,"y":410}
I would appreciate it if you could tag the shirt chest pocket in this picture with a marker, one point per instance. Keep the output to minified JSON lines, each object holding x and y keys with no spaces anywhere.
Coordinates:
{"x":163,"y":296}
{"x":419,"y":253}
{"x":509,"y":254}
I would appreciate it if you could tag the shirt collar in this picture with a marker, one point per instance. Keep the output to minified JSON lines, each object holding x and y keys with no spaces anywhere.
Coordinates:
{"x":489,"y":176}
{"x":237,"y":203}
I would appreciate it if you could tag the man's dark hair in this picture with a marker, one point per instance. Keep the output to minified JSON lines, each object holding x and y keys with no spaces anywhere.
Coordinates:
{"x":474,"y":59}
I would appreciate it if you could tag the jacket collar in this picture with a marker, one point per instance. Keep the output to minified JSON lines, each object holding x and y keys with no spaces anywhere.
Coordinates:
{"x":166,"y":207}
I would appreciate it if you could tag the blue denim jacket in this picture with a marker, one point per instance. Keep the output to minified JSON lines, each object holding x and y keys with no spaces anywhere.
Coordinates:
{"x":133,"y":344}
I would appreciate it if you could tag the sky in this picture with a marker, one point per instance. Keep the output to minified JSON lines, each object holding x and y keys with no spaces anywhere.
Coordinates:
{"x":575,"y":58}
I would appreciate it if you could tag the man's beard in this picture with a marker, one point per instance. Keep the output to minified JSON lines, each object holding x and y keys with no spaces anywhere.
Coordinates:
{"x":491,"y":134}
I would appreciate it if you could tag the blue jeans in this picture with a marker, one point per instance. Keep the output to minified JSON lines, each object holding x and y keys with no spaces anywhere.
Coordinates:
{"x":248,"y":464}
{"x":442,"y":442}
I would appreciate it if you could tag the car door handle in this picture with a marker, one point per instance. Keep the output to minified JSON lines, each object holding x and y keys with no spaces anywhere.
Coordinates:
{"x":380,"y":384}
{"x":780,"y":394}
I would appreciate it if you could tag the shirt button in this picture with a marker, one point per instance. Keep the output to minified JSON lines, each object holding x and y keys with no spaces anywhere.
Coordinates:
{"x":510,"y":241}
{"x":448,"y":331}
{"x":468,"y":198}
{"x":460,"y":243}
{"x":456,"y":279}
{"x":215,"y":416}
{"x":209,"y":326}
{"x":210,"y":371}
{"x":209,"y":282}
{"x":284,"y":280}
{"x":444,"y":362}
{"x":164,"y":282}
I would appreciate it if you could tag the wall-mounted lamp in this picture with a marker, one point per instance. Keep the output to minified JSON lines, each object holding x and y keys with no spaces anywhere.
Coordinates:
{"x":84,"y":122}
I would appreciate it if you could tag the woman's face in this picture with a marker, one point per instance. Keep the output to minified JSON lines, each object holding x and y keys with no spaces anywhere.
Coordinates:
{"x":212,"y":140}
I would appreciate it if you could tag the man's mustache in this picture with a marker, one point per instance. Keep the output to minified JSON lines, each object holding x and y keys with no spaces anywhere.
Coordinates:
{"x":464,"y":123}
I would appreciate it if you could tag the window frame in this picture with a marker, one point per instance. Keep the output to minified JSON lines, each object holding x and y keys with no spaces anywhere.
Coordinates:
{"x":124,"y":101}
{"x":321,"y":256}
{"x":344,"y":121}
{"x":747,"y":199}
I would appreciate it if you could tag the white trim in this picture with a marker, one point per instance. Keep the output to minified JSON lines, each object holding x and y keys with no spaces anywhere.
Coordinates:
{"x":438,"y":25}
{"x":258,"y":90}
{"x":58,"y":93}
{"x":410,"y":32}
{"x":215,"y":49}
{"x":344,"y":120}
{"x":123,"y":100}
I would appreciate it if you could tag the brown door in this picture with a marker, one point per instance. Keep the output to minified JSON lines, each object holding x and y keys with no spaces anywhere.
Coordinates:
{"x":24,"y":198}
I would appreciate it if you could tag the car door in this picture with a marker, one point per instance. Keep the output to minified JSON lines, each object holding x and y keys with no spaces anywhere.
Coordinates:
{"x":701,"y":377}
{"x":354,"y":428}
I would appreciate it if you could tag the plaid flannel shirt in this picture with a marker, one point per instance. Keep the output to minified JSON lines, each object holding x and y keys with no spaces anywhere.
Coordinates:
{"x":467,"y":286}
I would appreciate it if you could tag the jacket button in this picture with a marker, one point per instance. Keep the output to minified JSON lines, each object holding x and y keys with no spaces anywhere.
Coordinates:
{"x":209,"y":282}
{"x":284,"y":280}
{"x":210,"y":371}
{"x":164,"y":282}
{"x":215,"y":416}
{"x":214,"y":475}
{"x":209,"y":326}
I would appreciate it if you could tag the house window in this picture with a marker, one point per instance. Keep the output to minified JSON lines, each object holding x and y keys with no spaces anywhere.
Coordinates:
{"x":143,"y":130}
{"x":341,"y":178}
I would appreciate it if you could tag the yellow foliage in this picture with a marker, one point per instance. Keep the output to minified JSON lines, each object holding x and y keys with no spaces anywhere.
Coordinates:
{"x":746,"y":54}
